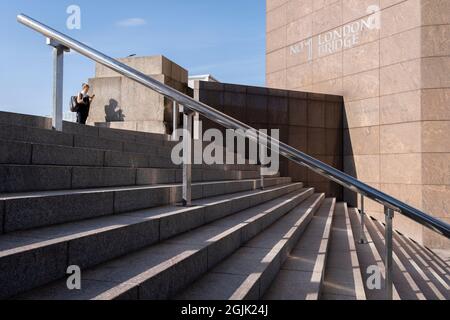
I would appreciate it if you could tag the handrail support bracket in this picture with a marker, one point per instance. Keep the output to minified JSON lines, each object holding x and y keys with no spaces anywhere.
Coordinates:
{"x":58,"y":83}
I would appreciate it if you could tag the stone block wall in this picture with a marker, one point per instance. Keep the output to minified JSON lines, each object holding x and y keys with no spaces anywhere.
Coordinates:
{"x":390,"y":59}
{"x":124,"y":104}
{"x":311,"y":123}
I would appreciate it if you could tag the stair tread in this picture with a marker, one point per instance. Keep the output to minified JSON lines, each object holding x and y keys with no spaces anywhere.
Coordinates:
{"x":301,"y":273}
{"x":406,"y":287}
{"x":421,"y":277}
{"x":240,"y":273}
{"x":369,"y":256}
{"x":343,"y":271}
{"x":20,"y":195}
{"x":122,"y":275}
{"x":25,"y":240}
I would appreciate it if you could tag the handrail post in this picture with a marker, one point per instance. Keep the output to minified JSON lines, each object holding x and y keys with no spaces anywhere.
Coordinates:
{"x":58,"y":83}
{"x":262,"y":178}
{"x":362,"y":237}
{"x":187,"y":156}
{"x":389,"y":213}
{"x":176,"y":115}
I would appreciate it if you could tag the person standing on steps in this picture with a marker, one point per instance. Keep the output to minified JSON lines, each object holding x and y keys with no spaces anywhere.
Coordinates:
{"x":84,"y":104}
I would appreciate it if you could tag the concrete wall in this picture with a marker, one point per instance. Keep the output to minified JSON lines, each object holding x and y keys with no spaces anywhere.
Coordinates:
{"x":393,"y":69}
{"x":124,"y":104}
{"x":311,"y":123}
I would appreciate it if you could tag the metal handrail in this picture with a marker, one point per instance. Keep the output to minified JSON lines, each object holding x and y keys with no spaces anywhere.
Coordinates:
{"x":285,"y":150}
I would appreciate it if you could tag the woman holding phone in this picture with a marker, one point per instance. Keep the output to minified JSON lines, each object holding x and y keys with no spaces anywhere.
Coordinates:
{"x":84,"y":103}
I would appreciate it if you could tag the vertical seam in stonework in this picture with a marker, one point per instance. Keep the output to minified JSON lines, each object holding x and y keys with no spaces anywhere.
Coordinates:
{"x":31,"y":153}
{"x":379,"y":106}
{"x":72,"y":169}
{"x":3,"y":216}
{"x":114,"y":202}
{"x":68,"y":253}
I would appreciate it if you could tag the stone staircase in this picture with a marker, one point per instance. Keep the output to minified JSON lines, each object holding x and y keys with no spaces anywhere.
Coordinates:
{"x":106,"y":200}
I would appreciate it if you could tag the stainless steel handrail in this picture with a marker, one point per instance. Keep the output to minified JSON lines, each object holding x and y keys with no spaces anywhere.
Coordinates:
{"x":228,"y":122}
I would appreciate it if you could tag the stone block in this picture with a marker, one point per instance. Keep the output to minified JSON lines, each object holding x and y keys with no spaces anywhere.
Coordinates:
{"x":436,"y":201}
{"x":276,"y":18}
{"x":84,"y":177}
{"x":66,"y":156}
{"x":316,"y":114}
{"x":9,"y":118}
{"x":356,"y":9}
{"x":276,"y":79}
{"x":327,"y":68}
{"x":256,"y":108}
{"x":33,"y":178}
{"x":362,"y":141}
{"x":365,"y":168}
{"x":298,"y":76}
{"x":400,"y":107}
{"x":278,"y":111}
{"x":35,"y":135}
{"x":401,"y":77}
{"x":435,"y":104}
{"x":33,"y":212}
{"x":401,"y":168}
{"x":435,"y":136}
{"x":149,"y":176}
{"x":105,"y":245}
{"x":361,"y":86}
{"x":276,"y":39}
{"x":142,"y":198}
{"x":362,"y":113}
{"x":401,"y":138}
{"x":436,"y":168}
{"x":121,"y":159}
{"x":298,"y":112}
{"x":435,"y":12}
{"x":297,"y":9}
{"x":97,"y":143}
{"x":334,"y":115}
{"x":172,"y":225}
{"x":333,"y":20}
{"x":15,"y":152}
{"x":174,"y":278}
{"x":223,"y":246}
{"x":434,"y":39}
{"x":361,"y":58}
{"x":401,"y":47}
{"x":32,"y":269}
{"x":435,"y":72}
{"x":107,"y":106}
{"x":401,"y":17}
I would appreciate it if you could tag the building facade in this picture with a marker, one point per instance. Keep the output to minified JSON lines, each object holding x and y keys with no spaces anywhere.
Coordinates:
{"x":390,"y":60}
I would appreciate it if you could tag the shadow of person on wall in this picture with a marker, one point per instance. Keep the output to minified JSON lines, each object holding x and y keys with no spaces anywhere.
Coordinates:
{"x":113,"y":113}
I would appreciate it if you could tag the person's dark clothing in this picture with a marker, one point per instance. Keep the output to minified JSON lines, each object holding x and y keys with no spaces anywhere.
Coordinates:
{"x":83,"y":111}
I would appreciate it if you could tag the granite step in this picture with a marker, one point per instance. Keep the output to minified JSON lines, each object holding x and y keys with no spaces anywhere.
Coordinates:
{"x":301,"y":275}
{"x":420,"y":276}
{"x":249,"y":272}
{"x":36,"y":122}
{"x":94,"y":241}
{"x":369,"y":257}
{"x":343,"y":278}
{"x":406,"y":286}
{"x":162,"y":270}
{"x":23,"y":153}
{"x":24,"y":211}
{"x":28,"y":178}
{"x":436,"y":265}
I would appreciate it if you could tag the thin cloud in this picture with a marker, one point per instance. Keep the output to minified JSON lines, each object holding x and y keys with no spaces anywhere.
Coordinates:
{"x":132,"y":22}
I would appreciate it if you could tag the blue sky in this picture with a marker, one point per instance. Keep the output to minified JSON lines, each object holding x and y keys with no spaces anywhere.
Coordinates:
{"x":223,"y":37}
